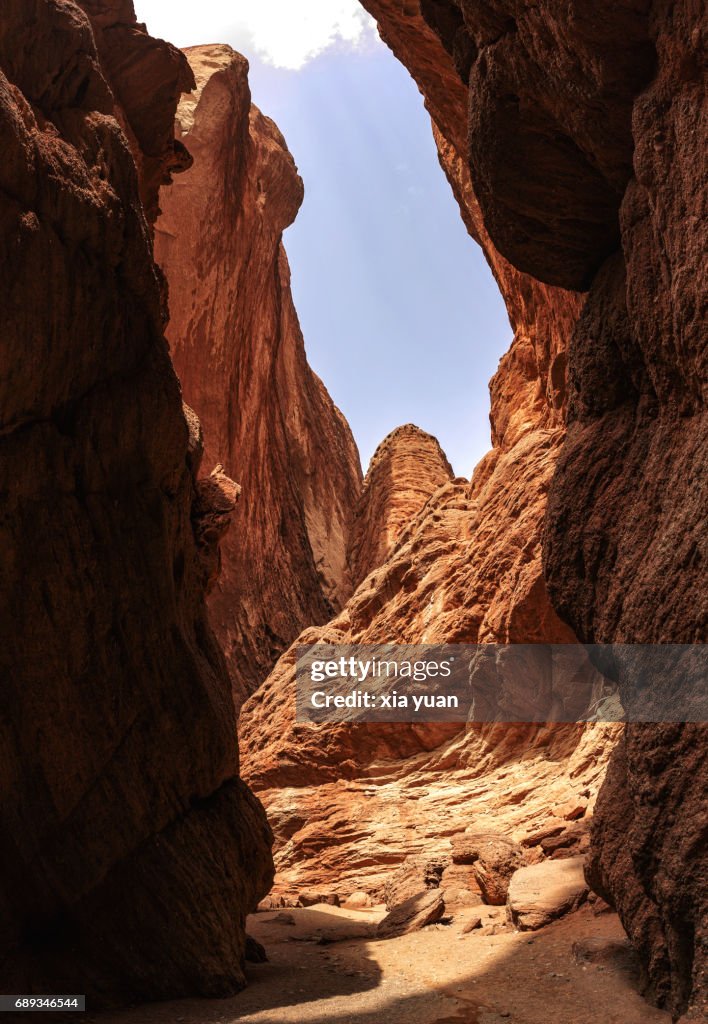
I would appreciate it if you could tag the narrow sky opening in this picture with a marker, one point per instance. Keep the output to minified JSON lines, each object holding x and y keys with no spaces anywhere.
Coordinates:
{"x":401,"y":316}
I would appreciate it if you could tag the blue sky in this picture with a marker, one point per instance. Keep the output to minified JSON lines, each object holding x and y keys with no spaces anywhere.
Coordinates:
{"x":400,"y":314}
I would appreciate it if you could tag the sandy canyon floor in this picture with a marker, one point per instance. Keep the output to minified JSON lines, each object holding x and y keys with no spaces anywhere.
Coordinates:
{"x":324,"y":968}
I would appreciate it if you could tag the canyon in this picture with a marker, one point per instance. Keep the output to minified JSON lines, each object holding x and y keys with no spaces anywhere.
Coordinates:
{"x":185,"y":507}
{"x":120,"y":783}
{"x":238,"y":350}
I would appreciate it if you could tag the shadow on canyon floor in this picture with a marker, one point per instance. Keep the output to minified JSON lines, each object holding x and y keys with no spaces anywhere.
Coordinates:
{"x":323,"y":970}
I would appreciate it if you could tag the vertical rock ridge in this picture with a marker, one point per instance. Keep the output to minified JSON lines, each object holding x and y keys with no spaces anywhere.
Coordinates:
{"x":584,"y":151}
{"x":122,"y":812}
{"x":405,"y":470}
{"x":238,"y":348}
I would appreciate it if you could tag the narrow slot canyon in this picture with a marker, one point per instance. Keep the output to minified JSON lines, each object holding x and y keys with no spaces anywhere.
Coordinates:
{"x":184,"y":510}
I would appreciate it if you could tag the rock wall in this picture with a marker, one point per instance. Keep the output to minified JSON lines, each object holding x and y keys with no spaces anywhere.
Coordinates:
{"x":239,"y":352}
{"x":406,"y":468}
{"x":348,"y":803}
{"x":586,"y":134}
{"x":131,"y":850}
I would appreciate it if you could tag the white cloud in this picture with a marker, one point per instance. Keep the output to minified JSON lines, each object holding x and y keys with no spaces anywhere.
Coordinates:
{"x":284,"y":33}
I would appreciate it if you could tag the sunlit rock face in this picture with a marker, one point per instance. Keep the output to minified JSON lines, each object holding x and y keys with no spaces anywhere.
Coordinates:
{"x":348,"y":803}
{"x":239,"y":352}
{"x":584,"y":149}
{"x":406,"y":468}
{"x":123,"y":815}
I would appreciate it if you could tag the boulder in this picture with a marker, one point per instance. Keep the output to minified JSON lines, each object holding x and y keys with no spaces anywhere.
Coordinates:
{"x":358,"y":901}
{"x":544,"y":892}
{"x":494,"y":859}
{"x":424,"y":908}
{"x":412,"y":877}
{"x":309,"y":899}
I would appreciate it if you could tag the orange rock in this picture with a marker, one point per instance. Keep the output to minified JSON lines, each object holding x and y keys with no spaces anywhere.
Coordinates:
{"x":239,"y":352}
{"x":407,"y":467}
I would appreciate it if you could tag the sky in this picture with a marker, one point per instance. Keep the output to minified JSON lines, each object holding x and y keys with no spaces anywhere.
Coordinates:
{"x":401,"y":317}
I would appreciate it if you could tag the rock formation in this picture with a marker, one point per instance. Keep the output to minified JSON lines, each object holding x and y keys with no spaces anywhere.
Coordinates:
{"x":131,"y":850}
{"x":583,"y":152}
{"x":347,"y":803}
{"x":239,"y":352}
{"x":585,"y":147}
{"x":406,"y":468}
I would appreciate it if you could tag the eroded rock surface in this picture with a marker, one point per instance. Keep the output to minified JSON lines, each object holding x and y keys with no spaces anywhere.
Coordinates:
{"x":406,"y":468}
{"x":585,"y":154}
{"x":131,"y":850}
{"x":348,"y":804}
{"x":541,"y":893}
{"x":239,"y":352}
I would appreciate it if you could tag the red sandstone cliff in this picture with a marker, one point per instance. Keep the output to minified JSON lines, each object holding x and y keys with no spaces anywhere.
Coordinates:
{"x":585,"y":144}
{"x":406,"y":468}
{"x":238,"y":349}
{"x":131,"y":850}
{"x":468,"y":568}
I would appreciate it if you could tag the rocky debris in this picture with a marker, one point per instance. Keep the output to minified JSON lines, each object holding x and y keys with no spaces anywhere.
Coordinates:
{"x":543,"y":892}
{"x":571,"y":810}
{"x":494,"y":859}
{"x":123,"y":816}
{"x":411,"y":878}
{"x":311,"y":900}
{"x":405,"y":470}
{"x":273,"y":903}
{"x":472,"y":925}
{"x":238,"y":349}
{"x":573,"y":841}
{"x":412,"y":914}
{"x":540,"y":835}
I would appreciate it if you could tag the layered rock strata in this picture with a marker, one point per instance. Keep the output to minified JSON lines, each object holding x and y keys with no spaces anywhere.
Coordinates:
{"x":238,"y":348}
{"x":347,"y":803}
{"x":406,"y":468}
{"x":131,"y":849}
{"x":585,"y":144}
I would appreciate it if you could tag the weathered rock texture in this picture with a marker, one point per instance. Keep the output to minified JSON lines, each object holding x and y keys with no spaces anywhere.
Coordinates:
{"x":349,"y":803}
{"x":573,"y":142}
{"x":407,"y":467}
{"x":238,"y":349}
{"x":626,"y":541}
{"x":131,"y":850}
{"x":586,"y":147}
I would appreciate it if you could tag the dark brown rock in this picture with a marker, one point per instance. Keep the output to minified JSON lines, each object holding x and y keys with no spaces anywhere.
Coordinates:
{"x":625,"y":548}
{"x":550,"y":92}
{"x":131,"y":850}
{"x":607,"y":106}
